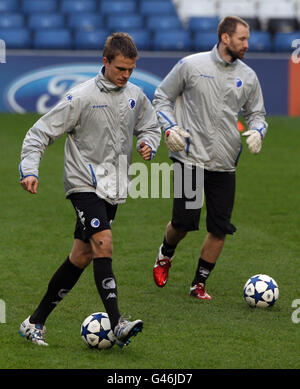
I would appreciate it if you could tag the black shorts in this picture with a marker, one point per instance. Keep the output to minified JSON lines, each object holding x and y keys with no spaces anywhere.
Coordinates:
{"x":93,"y":214}
{"x":219,"y":190}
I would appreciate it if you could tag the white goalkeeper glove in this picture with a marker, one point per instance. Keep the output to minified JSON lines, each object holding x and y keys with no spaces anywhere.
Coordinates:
{"x":175,"y":138}
{"x":254,"y":140}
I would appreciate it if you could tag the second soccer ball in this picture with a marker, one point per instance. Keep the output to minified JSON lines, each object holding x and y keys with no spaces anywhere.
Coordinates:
{"x":261,"y":290}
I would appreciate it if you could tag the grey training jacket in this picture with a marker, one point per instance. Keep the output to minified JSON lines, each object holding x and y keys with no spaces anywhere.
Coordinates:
{"x":100,"y":120}
{"x":203,"y":94}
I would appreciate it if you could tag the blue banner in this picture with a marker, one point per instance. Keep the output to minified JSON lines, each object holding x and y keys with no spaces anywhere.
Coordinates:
{"x":35,"y":83}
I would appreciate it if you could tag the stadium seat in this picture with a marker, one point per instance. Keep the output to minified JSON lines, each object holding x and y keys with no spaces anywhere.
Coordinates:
{"x":155,"y":23}
{"x":203,"y":23}
{"x":297,"y":11}
{"x":46,"y":20}
{"x":191,"y":8}
{"x":283,"y":41}
{"x":52,"y":39}
{"x":32,"y":6}
{"x":275,"y":9}
{"x":90,"y":40}
{"x":12,"y":20}
{"x":71,"y":6}
{"x":172,"y":40}
{"x":16,"y":38}
{"x":113,"y":7}
{"x":260,"y":41}
{"x":142,"y":39}
{"x":282,"y":25}
{"x":85,"y":21}
{"x":241,"y":8}
{"x":204,"y":41}
{"x":125,"y":22}
{"x":157,"y":7}
{"x":9,"y":6}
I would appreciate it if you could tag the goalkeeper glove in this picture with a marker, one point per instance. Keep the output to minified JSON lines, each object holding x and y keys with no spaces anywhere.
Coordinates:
{"x":254,"y":140}
{"x":175,"y":138}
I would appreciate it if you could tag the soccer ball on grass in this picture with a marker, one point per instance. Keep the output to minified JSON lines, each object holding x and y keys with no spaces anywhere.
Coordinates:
{"x":96,"y":331}
{"x":261,"y":290}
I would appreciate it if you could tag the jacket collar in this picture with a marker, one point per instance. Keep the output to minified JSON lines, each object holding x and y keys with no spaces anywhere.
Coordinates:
{"x":104,"y":84}
{"x":219,"y":60}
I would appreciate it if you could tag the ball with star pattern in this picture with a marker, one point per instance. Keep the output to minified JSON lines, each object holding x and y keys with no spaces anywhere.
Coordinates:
{"x":261,"y":291}
{"x":96,"y":331}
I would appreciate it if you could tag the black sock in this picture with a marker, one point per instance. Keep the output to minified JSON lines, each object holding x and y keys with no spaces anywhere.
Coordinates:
{"x":60,"y":284}
{"x":168,"y":249}
{"x":107,"y":288}
{"x":203,"y":271}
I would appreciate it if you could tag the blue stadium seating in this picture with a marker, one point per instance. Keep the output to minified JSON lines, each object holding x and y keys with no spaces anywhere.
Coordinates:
{"x":125,"y":22}
{"x":85,"y":21}
{"x":143,"y":19}
{"x":155,"y":23}
{"x":12,"y":20}
{"x":113,"y":7}
{"x":172,"y":40}
{"x":46,"y":20}
{"x":203,"y":24}
{"x":32,"y":6}
{"x":260,"y":41}
{"x":52,"y":39}
{"x":9,"y":6}
{"x":90,"y":40}
{"x":283,"y":41}
{"x":142,"y":39}
{"x":204,"y":41}
{"x":16,"y":38}
{"x":71,"y":6}
{"x":157,"y":7}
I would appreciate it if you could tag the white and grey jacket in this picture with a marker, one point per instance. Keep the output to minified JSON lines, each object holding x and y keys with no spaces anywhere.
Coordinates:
{"x":203,"y":94}
{"x":100,"y":120}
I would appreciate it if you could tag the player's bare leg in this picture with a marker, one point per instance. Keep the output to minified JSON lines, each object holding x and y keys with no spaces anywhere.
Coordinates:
{"x":212,"y":247}
{"x":81,"y":254}
{"x":173,"y":235}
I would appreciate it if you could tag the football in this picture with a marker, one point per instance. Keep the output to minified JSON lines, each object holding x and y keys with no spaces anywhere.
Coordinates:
{"x":96,"y":331}
{"x":261,"y":290}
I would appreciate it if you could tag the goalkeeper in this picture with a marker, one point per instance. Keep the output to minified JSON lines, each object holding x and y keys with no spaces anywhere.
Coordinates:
{"x":197,"y":105}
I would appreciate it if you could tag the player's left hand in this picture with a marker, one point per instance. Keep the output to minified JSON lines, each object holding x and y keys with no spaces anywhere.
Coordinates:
{"x":254,"y":140}
{"x":175,"y":138}
{"x":145,"y":151}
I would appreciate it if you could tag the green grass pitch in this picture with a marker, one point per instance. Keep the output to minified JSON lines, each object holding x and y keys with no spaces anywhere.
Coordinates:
{"x":179,"y":332}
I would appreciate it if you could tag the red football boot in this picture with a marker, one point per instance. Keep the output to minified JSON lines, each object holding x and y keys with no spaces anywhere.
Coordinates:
{"x":199,"y":292}
{"x":161,"y":269}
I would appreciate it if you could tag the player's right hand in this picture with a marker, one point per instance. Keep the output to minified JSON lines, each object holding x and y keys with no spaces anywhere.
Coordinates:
{"x":30,"y":183}
{"x":175,"y":138}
